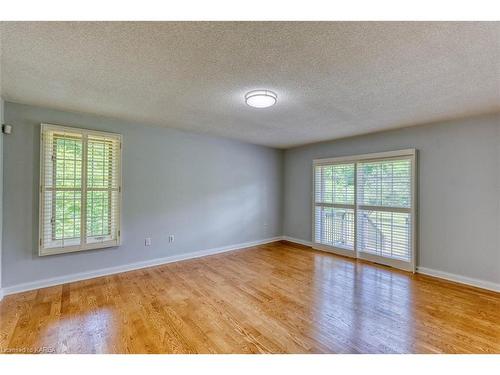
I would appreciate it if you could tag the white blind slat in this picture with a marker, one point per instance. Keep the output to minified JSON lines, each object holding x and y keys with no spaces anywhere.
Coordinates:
{"x":385,"y":186}
{"x":80,"y":189}
{"x":334,"y":201}
{"x":365,"y":206}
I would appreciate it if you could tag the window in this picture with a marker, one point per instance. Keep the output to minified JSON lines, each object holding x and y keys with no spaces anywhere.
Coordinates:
{"x":364,"y":207}
{"x":80,"y":192}
{"x":334,"y":201}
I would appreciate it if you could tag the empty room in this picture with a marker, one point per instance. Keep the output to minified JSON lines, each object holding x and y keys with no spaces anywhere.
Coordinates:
{"x":250,"y":187}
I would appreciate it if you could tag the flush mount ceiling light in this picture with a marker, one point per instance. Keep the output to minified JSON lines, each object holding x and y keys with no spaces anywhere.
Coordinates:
{"x":261,"y":98}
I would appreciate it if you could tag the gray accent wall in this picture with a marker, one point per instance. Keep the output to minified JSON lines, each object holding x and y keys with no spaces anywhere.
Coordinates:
{"x":1,"y":186}
{"x":212,"y":192}
{"x":459,"y":190}
{"x":209,"y":192}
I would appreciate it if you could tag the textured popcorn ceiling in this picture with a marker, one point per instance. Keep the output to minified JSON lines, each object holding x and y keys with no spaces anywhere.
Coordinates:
{"x":333,"y":79}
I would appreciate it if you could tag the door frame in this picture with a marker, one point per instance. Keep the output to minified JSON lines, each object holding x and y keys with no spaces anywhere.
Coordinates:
{"x":411,"y":154}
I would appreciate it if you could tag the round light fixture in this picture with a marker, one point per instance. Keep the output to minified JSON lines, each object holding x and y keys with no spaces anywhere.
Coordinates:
{"x":261,"y":98}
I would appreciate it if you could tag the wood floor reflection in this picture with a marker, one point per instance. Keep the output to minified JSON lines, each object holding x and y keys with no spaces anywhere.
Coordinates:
{"x":275,"y":298}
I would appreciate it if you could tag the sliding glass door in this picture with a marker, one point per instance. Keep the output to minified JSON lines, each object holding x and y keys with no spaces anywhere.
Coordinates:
{"x":364,"y":207}
{"x":334,"y":206}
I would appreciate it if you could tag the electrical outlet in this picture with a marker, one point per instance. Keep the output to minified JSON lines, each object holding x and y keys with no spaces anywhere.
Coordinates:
{"x":147,"y":241}
{"x":171,"y":238}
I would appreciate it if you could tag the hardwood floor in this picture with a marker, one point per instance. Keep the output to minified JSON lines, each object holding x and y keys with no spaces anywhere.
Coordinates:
{"x":275,"y":298}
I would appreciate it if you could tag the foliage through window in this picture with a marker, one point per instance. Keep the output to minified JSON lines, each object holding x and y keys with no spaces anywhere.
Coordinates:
{"x":80,"y":189}
{"x":363,"y":206}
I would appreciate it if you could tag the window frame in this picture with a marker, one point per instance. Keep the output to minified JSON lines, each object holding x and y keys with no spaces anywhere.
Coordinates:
{"x":410,"y":154}
{"x":83,"y":245}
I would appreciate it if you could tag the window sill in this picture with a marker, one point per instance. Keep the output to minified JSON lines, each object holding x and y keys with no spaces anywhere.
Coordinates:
{"x":76,"y":248}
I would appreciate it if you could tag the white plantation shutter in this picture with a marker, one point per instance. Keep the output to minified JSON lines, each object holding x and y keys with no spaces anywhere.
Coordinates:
{"x":334,"y":205}
{"x":363,"y":206}
{"x":80,"y":192}
{"x":384,"y":208}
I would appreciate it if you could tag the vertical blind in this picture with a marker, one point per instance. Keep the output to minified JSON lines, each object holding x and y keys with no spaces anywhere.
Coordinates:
{"x":365,"y":206}
{"x":79,"y":189}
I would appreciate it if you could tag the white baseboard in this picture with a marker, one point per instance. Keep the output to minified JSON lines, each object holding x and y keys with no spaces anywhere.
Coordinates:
{"x":128,"y":267}
{"x":297,"y":240}
{"x":196,"y":254}
{"x":483,"y":284}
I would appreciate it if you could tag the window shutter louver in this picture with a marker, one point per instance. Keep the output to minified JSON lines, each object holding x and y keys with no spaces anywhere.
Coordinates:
{"x":80,"y":178}
{"x":334,"y":205}
{"x":364,"y":207}
{"x":384,"y":208}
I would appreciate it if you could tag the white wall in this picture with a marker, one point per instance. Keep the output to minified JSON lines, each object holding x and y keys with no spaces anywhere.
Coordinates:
{"x":459,"y":187}
{"x":207,"y":191}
